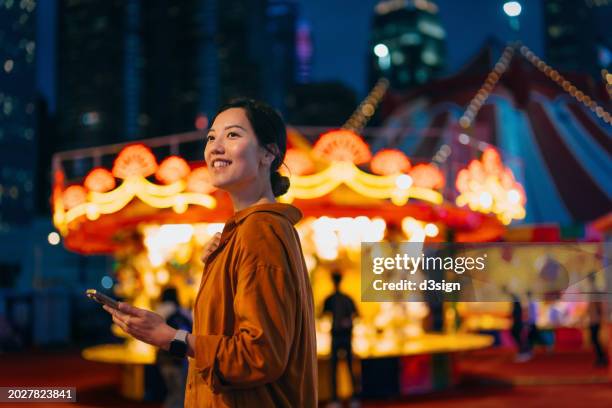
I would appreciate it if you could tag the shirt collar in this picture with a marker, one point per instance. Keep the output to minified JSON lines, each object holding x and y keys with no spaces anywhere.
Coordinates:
{"x":286,"y":210}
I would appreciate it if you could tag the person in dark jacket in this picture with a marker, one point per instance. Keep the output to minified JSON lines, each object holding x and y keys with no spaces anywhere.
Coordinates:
{"x":517,"y":327}
{"x":173,"y":369}
{"x":343,"y":310}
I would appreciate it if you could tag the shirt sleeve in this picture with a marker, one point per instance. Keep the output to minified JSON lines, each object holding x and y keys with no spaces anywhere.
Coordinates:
{"x":265,"y":307}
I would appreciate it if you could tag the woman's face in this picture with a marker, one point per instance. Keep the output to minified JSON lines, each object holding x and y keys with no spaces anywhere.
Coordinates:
{"x":232,"y":153}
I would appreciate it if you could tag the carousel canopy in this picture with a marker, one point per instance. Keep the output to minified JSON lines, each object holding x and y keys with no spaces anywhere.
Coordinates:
{"x":338,"y":176}
{"x":553,"y":130}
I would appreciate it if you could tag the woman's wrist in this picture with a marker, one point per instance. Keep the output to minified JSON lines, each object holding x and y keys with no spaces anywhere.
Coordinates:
{"x":190,"y":345}
{"x":168,"y":337}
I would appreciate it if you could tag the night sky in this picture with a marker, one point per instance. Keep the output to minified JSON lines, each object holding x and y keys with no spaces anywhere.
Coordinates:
{"x":340,"y":31}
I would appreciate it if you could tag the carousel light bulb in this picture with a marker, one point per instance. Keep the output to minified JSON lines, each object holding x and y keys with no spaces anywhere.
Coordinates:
{"x":514,"y":196}
{"x":485,"y":200}
{"x":431,"y":230}
{"x":403,"y":181}
{"x":464,"y":122}
{"x":92,"y":212}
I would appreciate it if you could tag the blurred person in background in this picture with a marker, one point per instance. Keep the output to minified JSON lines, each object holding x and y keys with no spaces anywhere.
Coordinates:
{"x":596,"y":317}
{"x":534,"y":335}
{"x":172,"y":368}
{"x":517,"y":328}
{"x":343,"y":310}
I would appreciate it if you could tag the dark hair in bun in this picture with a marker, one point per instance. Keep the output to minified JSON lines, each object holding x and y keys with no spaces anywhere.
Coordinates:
{"x":270,"y":130}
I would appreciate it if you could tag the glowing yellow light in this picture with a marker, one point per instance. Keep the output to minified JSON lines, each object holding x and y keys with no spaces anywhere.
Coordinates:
{"x":411,"y":226}
{"x":92,"y":212}
{"x":344,"y":171}
{"x":163,"y":276}
{"x":180,"y":206}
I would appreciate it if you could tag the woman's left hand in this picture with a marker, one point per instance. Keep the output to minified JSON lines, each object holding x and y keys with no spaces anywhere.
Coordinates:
{"x":143,"y":325}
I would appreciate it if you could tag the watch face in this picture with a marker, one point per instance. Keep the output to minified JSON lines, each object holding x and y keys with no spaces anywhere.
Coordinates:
{"x":178,"y":348}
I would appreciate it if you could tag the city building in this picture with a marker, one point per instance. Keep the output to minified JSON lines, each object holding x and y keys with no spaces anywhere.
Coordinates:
{"x":133,"y":69}
{"x":578,"y":35}
{"x":280,"y":68}
{"x":90,"y":92}
{"x":19,"y":134}
{"x":407,"y":43}
{"x":17,"y":113}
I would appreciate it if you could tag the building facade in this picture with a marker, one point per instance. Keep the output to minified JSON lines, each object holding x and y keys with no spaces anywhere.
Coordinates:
{"x":408,"y":43}
{"x":133,"y":69}
{"x":578,"y":35}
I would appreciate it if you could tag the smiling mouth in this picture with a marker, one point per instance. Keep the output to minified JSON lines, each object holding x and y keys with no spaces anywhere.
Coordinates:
{"x":220,"y":163}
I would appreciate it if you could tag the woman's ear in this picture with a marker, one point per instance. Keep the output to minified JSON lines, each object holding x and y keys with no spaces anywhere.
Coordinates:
{"x":271,"y":152}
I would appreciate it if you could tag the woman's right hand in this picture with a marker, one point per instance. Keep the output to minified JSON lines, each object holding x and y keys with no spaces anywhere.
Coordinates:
{"x":210,"y":246}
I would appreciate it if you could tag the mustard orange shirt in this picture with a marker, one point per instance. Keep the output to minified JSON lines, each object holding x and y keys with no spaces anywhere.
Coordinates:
{"x":254,"y":326}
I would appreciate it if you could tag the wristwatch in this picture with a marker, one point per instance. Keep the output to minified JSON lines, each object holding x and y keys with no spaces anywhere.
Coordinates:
{"x":178,"y":346}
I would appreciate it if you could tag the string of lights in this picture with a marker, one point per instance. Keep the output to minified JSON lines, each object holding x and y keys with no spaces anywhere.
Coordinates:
{"x":485,"y":90}
{"x":367,"y":107}
{"x":565,"y":84}
{"x":607,"y":77}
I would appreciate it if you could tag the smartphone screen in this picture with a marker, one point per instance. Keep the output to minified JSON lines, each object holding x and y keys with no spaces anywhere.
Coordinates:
{"x":102,"y":298}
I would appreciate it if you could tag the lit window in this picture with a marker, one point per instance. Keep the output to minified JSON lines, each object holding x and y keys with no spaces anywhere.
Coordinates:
{"x":8,"y":107}
{"x":555,"y":31}
{"x":410,"y":39}
{"x":430,"y":57}
{"x":432,"y":29}
{"x":397,"y":58}
{"x":8,"y":65}
{"x":143,"y":119}
{"x":404,"y":77}
{"x":29,"y":5}
{"x":90,"y":118}
{"x":421,"y":76}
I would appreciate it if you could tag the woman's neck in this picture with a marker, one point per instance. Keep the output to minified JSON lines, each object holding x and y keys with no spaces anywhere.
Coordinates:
{"x":245,"y":199}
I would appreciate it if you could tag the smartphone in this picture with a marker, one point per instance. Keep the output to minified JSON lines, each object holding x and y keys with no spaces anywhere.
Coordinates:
{"x":102,"y":298}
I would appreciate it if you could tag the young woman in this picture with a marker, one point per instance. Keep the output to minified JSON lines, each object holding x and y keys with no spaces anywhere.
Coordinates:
{"x":253,"y":341}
